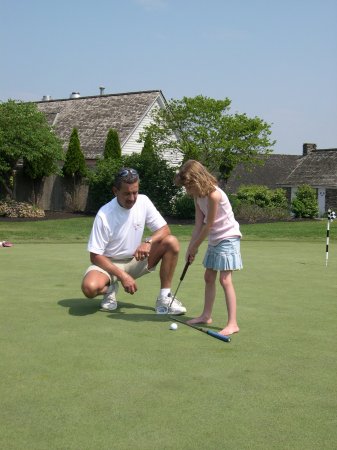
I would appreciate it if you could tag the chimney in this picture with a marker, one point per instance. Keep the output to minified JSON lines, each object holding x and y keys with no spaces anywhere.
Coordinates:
{"x":101,"y":90}
{"x":308,"y":148}
{"x":46,"y":98}
{"x":75,"y":95}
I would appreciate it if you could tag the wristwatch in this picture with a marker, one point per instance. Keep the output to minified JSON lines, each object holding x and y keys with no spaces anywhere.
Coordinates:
{"x":148,"y":240}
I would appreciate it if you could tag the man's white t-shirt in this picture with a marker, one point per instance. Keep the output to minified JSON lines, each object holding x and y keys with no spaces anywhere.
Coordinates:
{"x":118,"y":231}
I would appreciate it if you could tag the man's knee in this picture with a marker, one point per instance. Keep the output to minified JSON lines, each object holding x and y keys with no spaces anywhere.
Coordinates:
{"x":90,"y":288}
{"x":172,"y":243}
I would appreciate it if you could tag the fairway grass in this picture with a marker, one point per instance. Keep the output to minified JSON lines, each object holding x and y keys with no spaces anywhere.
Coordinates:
{"x":75,"y":378}
{"x":78,"y":229}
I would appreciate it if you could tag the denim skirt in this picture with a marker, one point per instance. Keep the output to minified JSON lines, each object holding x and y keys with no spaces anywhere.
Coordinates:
{"x":224,"y":256}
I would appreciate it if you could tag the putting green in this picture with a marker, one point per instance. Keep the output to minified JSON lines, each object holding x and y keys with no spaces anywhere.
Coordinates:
{"x":73,"y":377}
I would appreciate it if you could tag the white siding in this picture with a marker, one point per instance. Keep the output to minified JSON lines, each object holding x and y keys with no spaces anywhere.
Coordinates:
{"x":132,"y":146}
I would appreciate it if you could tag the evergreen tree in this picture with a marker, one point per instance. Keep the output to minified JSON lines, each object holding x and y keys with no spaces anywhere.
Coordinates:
{"x":148,"y":148}
{"x":74,"y":165}
{"x":112,"y":148}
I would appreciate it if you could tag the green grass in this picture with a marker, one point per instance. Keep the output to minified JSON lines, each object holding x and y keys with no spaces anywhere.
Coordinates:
{"x":75,"y":378}
{"x":77,"y":231}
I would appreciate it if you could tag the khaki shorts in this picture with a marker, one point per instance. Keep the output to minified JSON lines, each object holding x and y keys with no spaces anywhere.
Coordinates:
{"x":131,"y":266}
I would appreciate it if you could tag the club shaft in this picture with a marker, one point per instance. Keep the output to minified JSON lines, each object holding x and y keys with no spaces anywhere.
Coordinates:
{"x":184,"y":271}
{"x":182,"y":276}
{"x":219,"y":336}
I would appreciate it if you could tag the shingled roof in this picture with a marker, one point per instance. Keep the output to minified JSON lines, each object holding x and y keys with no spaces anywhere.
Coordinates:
{"x":274,"y":170}
{"x":93,"y":117}
{"x":318,"y":168}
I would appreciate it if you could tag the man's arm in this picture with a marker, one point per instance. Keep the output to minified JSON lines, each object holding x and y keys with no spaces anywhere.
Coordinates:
{"x":143,"y":250}
{"x":104,"y":263}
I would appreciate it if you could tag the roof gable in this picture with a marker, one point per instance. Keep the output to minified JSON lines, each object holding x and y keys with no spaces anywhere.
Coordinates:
{"x":318,"y":168}
{"x":93,"y":117}
{"x":274,"y":169}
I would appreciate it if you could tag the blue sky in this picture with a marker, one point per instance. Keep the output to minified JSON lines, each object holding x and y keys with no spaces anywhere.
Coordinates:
{"x":273,"y":59}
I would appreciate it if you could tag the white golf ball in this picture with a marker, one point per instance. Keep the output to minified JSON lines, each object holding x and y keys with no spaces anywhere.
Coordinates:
{"x":173,"y":326}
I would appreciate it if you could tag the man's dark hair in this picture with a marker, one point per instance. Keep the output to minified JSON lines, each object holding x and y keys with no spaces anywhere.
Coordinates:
{"x":125,"y":175}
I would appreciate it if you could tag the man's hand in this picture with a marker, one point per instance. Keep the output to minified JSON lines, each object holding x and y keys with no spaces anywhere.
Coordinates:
{"x":142,"y":251}
{"x":128,"y":283}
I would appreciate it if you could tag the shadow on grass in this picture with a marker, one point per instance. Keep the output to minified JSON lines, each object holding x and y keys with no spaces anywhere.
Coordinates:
{"x":80,"y":306}
{"x":85,"y":307}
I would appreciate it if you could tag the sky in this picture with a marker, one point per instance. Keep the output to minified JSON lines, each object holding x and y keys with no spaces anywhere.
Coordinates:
{"x":273,"y":59}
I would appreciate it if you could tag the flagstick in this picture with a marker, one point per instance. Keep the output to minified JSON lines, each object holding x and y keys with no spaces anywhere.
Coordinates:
{"x":327,"y":243}
{"x":331,"y":218}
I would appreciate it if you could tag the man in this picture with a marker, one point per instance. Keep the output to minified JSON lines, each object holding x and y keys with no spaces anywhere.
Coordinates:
{"x":118,"y":254}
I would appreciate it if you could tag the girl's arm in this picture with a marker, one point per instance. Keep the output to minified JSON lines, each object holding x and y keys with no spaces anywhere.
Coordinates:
{"x":201,"y":230}
{"x":198,"y":221}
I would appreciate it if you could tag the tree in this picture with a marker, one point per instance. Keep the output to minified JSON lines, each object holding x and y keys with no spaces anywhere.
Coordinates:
{"x":26,"y":137}
{"x":148,"y":148}
{"x":156,"y":180}
{"x":74,"y":165}
{"x":112,"y":148}
{"x":202,"y":128}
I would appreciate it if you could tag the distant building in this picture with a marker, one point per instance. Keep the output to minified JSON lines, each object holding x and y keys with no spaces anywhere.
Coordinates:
{"x":274,"y":169}
{"x":317,"y":168}
{"x":128,"y":113}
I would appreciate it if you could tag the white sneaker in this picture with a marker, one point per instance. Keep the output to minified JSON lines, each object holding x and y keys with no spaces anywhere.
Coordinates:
{"x":163,"y":306}
{"x":109,"y":302}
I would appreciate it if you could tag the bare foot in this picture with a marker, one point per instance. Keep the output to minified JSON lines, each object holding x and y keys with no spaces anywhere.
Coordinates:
{"x":200,"y":319}
{"x":229,"y":329}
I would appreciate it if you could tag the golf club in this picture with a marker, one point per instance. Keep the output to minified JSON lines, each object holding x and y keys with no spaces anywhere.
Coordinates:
{"x":165,"y":309}
{"x":204,"y":330}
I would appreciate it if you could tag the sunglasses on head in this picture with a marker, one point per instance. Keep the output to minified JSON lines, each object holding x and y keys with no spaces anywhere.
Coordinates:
{"x":125,"y":172}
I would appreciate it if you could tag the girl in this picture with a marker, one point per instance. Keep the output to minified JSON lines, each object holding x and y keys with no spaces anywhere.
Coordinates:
{"x":214,"y":219}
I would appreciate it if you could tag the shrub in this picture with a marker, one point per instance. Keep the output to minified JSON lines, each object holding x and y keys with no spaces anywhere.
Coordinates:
{"x":305,"y":204}
{"x":183,"y":206}
{"x":101,"y":181}
{"x":254,"y":213}
{"x":13,"y":209}
{"x":278,"y":198}
{"x":262,"y":196}
{"x":156,"y":180}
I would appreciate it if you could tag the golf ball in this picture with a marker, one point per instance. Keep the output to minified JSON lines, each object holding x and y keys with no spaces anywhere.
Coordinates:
{"x":173,"y":326}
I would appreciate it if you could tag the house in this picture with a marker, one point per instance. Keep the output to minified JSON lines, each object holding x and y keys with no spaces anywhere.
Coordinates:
{"x":273,"y":169}
{"x":128,"y":113}
{"x":317,"y":168}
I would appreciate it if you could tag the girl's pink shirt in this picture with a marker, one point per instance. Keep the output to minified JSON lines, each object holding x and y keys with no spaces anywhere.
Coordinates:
{"x":225,"y":225}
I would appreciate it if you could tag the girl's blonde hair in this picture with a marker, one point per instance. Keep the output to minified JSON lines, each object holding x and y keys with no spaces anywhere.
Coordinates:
{"x":192,"y":173}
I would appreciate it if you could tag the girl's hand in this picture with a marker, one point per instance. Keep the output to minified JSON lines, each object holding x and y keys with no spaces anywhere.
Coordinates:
{"x":190,"y":258}
{"x":191,"y":253}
